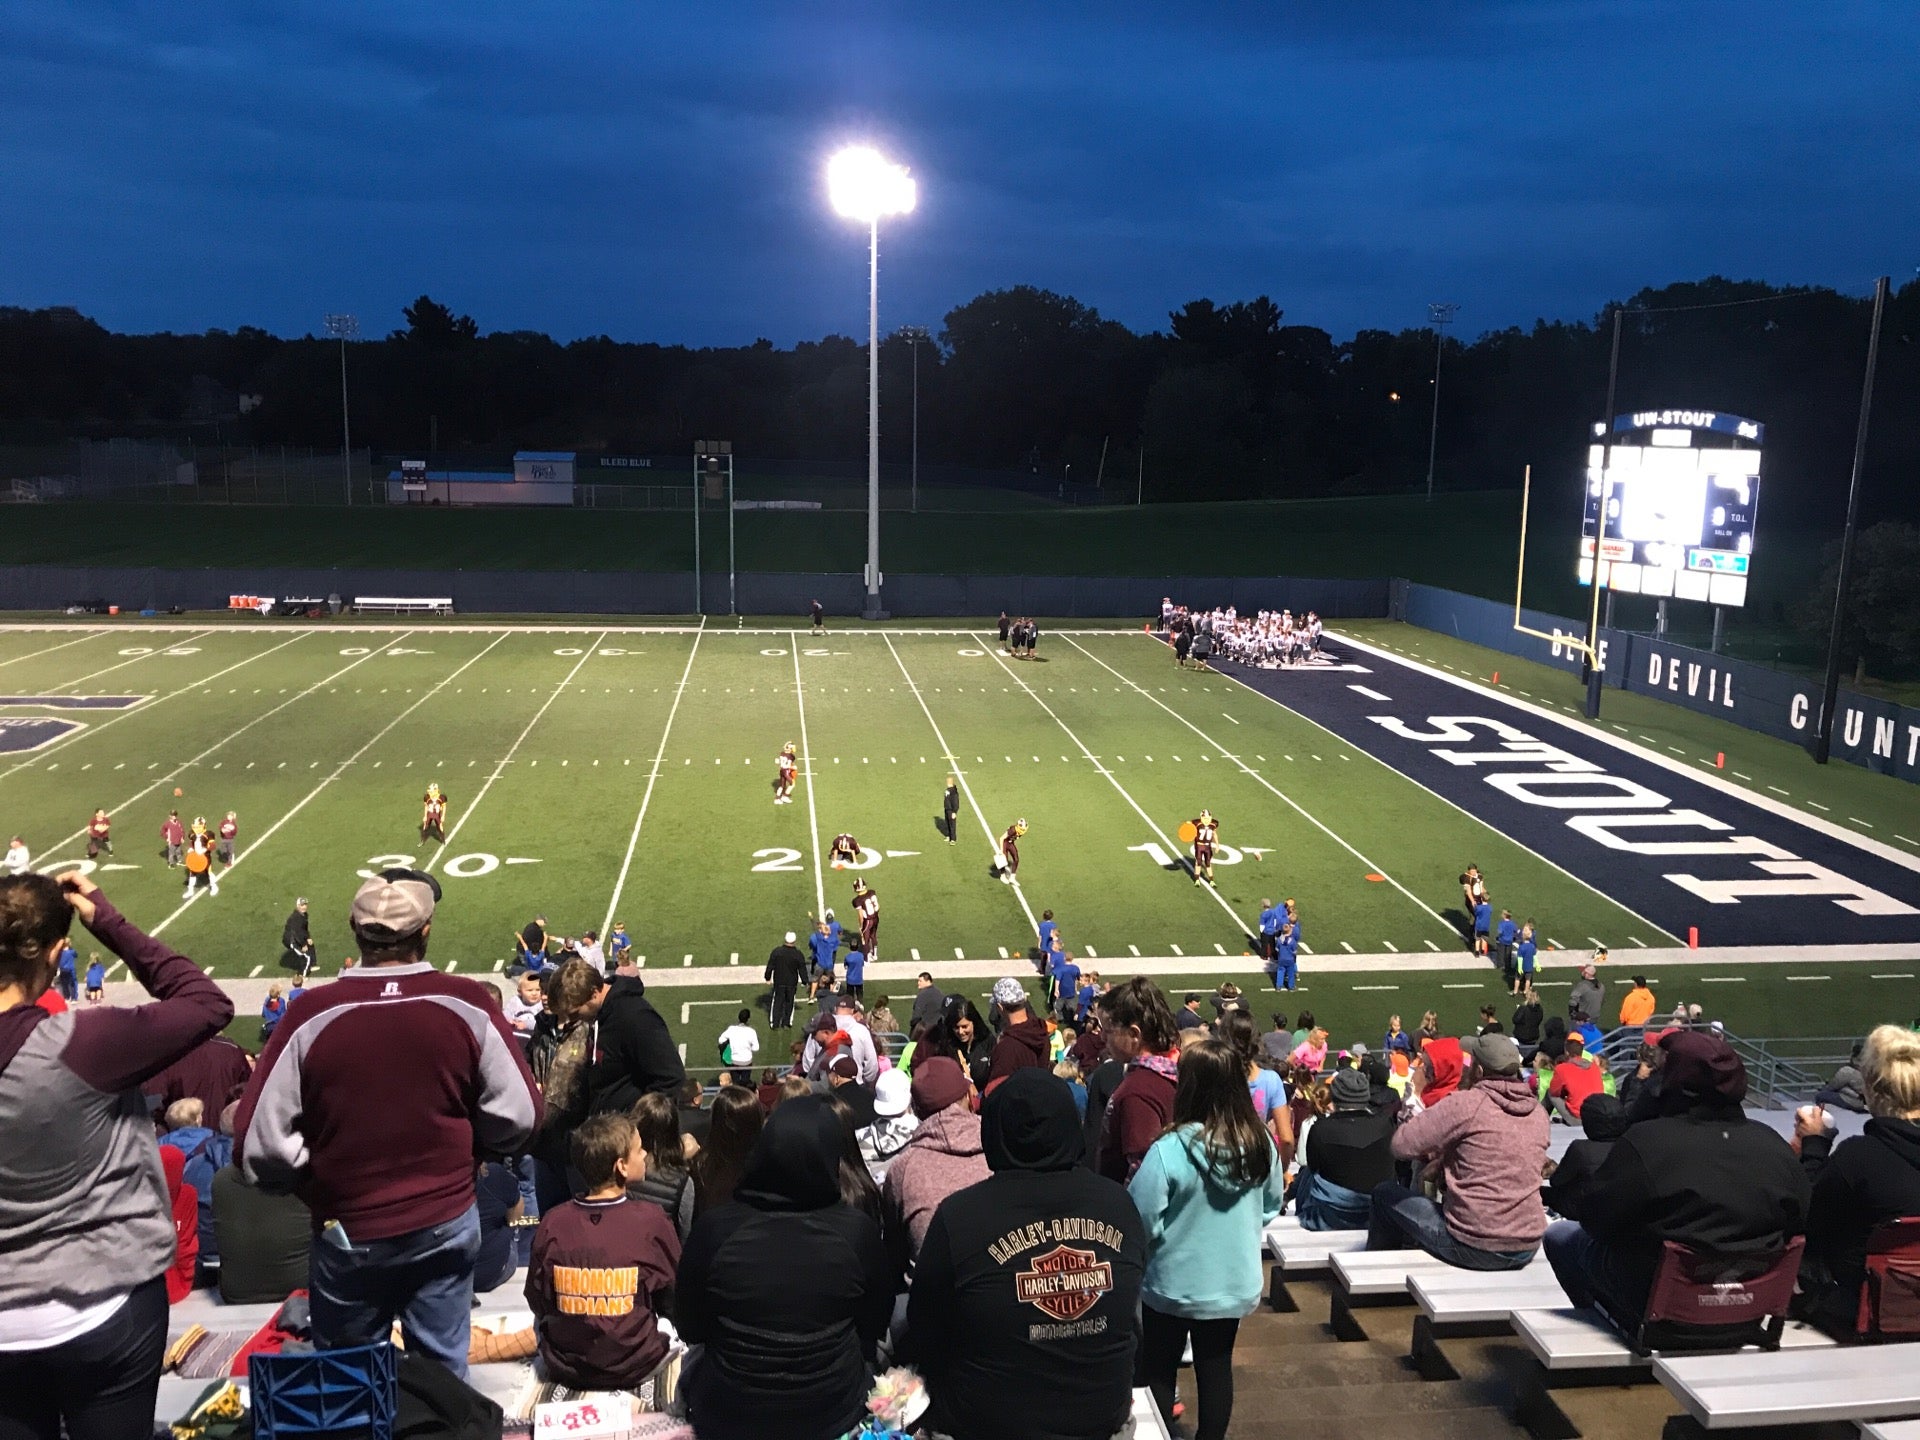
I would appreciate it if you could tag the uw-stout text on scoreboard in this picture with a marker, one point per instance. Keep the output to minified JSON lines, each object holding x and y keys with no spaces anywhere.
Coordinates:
{"x":1681,"y":489}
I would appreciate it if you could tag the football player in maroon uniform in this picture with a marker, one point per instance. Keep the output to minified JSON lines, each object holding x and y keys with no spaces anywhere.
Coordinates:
{"x":1206,"y":830}
{"x":433,"y":815}
{"x":1010,"y":851}
{"x":99,"y":834}
{"x":844,"y":851}
{"x":866,"y":904}
{"x":784,"y":769}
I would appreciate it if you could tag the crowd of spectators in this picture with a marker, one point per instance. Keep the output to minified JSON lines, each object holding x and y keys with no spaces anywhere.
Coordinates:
{"x":1037,"y":1209}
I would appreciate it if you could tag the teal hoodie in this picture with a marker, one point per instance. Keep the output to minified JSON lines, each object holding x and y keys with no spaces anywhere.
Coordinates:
{"x":1203,"y":1234}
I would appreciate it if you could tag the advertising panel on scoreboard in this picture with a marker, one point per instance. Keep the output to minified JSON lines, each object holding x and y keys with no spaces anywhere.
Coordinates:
{"x":1681,"y":492}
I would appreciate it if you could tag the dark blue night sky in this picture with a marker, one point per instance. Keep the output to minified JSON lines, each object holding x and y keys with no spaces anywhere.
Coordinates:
{"x":654,"y":171}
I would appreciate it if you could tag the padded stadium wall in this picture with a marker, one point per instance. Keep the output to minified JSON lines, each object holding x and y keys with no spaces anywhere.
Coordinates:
{"x":1876,"y":734}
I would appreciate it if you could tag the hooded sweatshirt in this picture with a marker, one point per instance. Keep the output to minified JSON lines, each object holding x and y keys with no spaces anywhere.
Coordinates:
{"x":1604,"y":1119}
{"x":1492,"y":1143}
{"x":633,"y":1051}
{"x":1022,"y":1316}
{"x":1445,"y":1060}
{"x":944,"y":1155}
{"x":1203,"y":1227}
{"x":1021,"y":1046}
{"x":1858,"y":1185}
{"x":787,"y":1288}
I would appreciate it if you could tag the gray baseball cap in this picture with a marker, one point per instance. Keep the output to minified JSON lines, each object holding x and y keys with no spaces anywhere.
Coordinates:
{"x":393,"y":905}
{"x":1494,"y":1053}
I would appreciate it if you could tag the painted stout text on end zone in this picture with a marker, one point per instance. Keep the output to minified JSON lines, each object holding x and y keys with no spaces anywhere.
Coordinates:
{"x":1609,"y":804}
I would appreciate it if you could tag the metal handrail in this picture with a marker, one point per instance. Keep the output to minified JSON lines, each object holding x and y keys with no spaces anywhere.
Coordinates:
{"x":1774,"y":1081}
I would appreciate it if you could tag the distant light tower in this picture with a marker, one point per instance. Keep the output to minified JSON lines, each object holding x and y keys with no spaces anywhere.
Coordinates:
{"x":916,"y":335}
{"x":344,"y":328}
{"x":864,"y":185}
{"x":1439,"y":315}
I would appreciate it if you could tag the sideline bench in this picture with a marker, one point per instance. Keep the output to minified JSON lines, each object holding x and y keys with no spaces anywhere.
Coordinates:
{"x":1865,"y":1382}
{"x":402,"y":605}
{"x":1464,"y":1304}
{"x":1574,"y":1347}
{"x":1296,"y":1252}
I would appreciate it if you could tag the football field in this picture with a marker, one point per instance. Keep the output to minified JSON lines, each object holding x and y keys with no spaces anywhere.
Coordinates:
{"x":621,"y":773}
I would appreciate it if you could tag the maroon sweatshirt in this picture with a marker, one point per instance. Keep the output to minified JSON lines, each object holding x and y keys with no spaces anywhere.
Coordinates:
{"x":375,"y":1094}
{"x":1141,"y":1108}
{"x":597,"y":1266}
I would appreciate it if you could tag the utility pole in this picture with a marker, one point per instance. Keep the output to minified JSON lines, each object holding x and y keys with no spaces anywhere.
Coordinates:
{"x":344,"y":328}
{"x":1439,"y":315}
{"x":915,"y":334}
{"x":1594,"y":673}
{"x":1823,"y":733}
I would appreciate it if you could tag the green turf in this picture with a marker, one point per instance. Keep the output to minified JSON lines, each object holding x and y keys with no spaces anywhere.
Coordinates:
{"x":547,"y":744}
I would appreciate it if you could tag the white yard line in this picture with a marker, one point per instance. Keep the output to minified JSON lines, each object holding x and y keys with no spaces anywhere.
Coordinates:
{"x":235,"y":735}
{"x":1262,"y":780}
{"x":122,"y":664}
{"x":505,"y":760}
{"x":142,"y":708}
{"x":1653,"y":757}
{"x":333,"y":775}
{"x":960,"y":774}
{"x":35,"y":654}
{"x":1478,"y":820}
{"x":806,"y":760}
{"x":1172,"y":847}
{"x":646,"y":798}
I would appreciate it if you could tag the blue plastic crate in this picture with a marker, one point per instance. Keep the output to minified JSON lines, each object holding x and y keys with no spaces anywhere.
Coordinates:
{"x":354,"y":1391}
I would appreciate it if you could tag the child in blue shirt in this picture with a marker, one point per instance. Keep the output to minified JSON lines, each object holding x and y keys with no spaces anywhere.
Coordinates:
{"x":96,"y":979}
{"x":1482,"y":926}
{"x":856,"y":976}
{"x":1066,"y":983}
{"x":1504,"y":934}
{"x":1084,"y":998}
{"x":1525,"y":950}
{"x":69,"y":979}
{"x":619,"y":942}
{"x":1048,"y":929}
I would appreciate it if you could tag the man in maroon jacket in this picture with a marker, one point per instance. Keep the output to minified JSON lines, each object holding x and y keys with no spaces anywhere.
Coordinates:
{"x":370,"y":1103}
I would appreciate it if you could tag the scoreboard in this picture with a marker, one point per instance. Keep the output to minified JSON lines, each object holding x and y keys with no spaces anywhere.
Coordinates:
{"x":1681,"y":492}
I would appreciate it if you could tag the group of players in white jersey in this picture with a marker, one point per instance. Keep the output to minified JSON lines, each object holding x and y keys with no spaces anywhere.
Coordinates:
{"x":1267,"y":640}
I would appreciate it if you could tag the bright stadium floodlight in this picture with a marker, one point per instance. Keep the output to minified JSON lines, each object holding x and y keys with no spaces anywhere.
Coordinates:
{"x":863,"y":185}
{"x":344,"y":328}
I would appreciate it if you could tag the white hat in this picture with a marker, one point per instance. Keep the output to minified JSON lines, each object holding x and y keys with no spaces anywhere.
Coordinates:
{"x":892,"y":1094}
{"x":790,"y":937}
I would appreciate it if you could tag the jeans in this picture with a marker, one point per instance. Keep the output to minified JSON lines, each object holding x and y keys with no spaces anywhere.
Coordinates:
{"x":1402,"y":1218}
{"x":1323,"y":1205}
{"x":424,"y":1279}
{"x":1589,"y":1270}
{"x":1162,"y":1338}
{"x":524,"y":1171}
{"x":101,"y":1384}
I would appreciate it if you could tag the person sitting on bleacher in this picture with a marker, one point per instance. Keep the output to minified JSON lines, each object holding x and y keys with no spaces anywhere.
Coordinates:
{"x":1604,"y":1119}
{"x":1348,"y":1152}
{"x":1700,"y":1174}
{"x":1487,"y":1143}
{"x":1863,"y":1183}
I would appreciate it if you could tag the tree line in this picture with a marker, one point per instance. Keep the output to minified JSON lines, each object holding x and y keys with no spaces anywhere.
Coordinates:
{"x":1228,"y":401}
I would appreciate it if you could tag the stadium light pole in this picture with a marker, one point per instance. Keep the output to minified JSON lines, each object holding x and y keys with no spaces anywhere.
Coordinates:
{"x":1439,"y":315}
{"x":863,"y":185}
{"x":1830,"y":690}
{"x":915,"y":335}
{"x":1593,"y":672}
{"x":344,"y":328}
